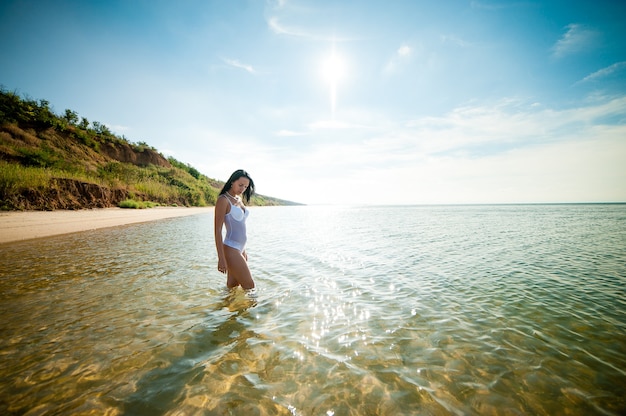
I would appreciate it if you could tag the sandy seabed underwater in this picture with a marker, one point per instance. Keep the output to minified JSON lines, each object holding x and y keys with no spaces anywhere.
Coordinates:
{"x":433,"y":310}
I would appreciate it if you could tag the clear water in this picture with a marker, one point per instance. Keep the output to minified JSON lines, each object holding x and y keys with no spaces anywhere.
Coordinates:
{"x":439,"y":310}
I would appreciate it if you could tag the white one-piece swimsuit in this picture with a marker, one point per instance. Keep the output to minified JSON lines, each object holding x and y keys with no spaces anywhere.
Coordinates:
{"x":235,"y":222}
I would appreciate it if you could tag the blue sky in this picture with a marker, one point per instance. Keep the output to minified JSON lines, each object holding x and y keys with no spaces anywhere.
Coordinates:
{"x":339,"y":102}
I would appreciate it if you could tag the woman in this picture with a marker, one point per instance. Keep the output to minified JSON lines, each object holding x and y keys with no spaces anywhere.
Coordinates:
{"x":230,"y":211}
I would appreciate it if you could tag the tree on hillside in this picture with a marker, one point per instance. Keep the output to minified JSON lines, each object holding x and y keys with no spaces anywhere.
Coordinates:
{"x":71,"y":117}
{"x":101,"y":128}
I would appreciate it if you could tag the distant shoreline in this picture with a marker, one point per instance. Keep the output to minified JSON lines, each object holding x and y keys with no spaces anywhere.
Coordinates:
{"x":26,"y":225}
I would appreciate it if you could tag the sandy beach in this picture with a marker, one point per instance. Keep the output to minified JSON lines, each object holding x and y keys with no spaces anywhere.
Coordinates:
{"x":17,"y":226}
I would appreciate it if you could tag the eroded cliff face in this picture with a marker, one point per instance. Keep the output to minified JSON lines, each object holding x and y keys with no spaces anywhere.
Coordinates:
{"x":73,"y":194}
{"x":123,"y":152}
{"x":67,"y":194}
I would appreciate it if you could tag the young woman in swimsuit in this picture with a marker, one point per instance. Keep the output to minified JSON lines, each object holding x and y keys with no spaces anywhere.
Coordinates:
{"x":231,"y":212}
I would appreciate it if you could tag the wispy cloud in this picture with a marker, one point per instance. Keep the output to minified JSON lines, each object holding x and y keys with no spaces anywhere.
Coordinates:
{"x":118,"y":128}
{"x":295,"y":31}
{"x":401,"y":55}
{"x":290,"y":133}
{"x":333,"y":125}
{"x":605,"y":72}
{"x":279,"y":4}
{"x":508,"y":124}
{"x":495,"y":5}
{"x":281,"y":29}
{"x":578,"y":38}
{"x":236,"y":64}
{"x":455,"y":40}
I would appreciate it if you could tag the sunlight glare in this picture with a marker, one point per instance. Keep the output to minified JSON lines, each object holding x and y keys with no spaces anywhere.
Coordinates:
{"x":333,"y":70}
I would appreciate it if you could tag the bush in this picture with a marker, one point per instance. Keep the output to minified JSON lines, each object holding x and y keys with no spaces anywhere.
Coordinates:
{"x":131,"y":203}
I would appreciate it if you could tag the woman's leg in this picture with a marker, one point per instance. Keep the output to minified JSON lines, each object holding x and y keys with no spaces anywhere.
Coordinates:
{"x":238,"y":271}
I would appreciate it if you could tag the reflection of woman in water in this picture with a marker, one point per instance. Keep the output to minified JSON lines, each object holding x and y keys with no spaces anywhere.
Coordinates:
{"x":230,"y":211}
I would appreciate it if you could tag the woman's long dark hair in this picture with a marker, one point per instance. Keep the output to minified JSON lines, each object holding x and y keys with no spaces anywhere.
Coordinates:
{"x":236,"y":175}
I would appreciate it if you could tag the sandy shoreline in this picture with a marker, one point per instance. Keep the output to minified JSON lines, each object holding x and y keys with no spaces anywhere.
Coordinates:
{"x":25,"y":225}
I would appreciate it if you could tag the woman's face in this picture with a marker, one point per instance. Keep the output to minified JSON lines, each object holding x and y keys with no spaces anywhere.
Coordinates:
{"x":239,"y":186}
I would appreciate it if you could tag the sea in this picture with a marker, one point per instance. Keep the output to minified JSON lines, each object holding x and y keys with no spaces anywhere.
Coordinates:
{"x":358,"y":310}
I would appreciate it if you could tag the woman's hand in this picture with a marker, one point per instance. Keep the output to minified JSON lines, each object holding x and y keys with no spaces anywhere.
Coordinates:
{"x":222,"y":267}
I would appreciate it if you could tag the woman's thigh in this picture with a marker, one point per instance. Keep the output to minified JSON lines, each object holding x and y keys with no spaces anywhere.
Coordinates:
{"x":238,"y":271}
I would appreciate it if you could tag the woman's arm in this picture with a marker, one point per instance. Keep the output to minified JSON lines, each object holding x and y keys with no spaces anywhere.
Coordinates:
{"x":221,"y":205}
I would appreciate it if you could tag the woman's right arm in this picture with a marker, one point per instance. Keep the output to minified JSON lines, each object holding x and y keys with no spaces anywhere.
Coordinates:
{"x":220,"y":213}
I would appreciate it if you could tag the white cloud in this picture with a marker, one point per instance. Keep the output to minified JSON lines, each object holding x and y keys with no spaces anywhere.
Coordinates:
{"x":404,"y":50}
{"x":506,"y":153}
{"x":118,"y":128}
{"x":290,"y":133}
{"x":495,"y":6}
{"x":236,"y":64}
{"x":455,"y":40}
{"x":333,"y":124}
{"x":509,"y":122}
{"x":280,"y":29}
{"x":277,"y":28}
{"x":605,"y":72}
{"x":577,"y":39}
{"x":279,"y":4}
{"x":402,"y":54}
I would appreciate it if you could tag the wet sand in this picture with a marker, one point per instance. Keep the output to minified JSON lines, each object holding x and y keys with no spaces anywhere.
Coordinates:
{"x":24,"y":225}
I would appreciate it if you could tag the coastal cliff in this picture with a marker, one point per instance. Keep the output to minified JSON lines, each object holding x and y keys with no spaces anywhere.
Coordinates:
{"x":49,"y":162}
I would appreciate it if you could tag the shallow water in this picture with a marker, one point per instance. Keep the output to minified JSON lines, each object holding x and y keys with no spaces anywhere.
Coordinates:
{"x":438,"y":310}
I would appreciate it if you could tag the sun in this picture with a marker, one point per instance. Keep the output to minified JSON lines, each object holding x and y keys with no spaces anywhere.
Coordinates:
{"x":333,"y":67}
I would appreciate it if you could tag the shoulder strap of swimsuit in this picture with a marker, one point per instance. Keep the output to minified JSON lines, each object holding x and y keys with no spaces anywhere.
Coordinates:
{"x":227,"y":198}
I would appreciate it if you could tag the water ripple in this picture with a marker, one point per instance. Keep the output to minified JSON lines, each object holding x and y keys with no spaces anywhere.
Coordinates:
{"x":372,"y":310}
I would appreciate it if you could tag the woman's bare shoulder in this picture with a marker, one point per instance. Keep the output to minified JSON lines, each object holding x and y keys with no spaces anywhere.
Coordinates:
{"x":221,"y":203}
